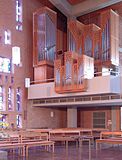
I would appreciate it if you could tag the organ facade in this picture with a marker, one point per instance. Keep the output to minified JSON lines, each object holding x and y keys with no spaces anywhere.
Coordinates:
{"x":91,"y":50}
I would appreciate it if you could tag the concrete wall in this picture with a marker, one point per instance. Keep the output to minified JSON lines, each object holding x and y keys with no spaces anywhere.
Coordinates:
{"x":96,"y":85}
{"x":46,"y":117}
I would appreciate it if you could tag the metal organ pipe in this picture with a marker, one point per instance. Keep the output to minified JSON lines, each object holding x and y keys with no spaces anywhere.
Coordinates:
{"x":50,"y":39}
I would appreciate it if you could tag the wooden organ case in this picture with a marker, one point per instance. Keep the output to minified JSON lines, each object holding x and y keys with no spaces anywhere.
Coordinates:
{"x":71,"y":75}
{"x":44,"y":44}
{"x":109,"y":23}
{"x":92,"y":49}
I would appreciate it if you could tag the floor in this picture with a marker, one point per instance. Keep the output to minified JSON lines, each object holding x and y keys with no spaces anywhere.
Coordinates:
{"x":73,"y":153}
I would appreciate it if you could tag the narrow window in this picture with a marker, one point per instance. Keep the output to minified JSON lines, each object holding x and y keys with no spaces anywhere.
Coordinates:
{"x":7,"y":35}
{"x":19,"y":121}
{"x":19,"y":15}
{"x":10,"y":99}
{"x":5,"y":65}
{"x":18,"y":99}
{"x":1,"y":99}
{"x":3,"y":121}
{"x":12,"y":80}
{"x":16,"y":55}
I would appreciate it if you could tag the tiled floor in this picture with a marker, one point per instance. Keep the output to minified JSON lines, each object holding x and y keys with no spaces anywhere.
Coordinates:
{"x":73,"y":153}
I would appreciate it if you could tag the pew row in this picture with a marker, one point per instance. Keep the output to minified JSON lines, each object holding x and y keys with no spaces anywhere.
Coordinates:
{"x":114,"y":137}
{"x":23,"y":147}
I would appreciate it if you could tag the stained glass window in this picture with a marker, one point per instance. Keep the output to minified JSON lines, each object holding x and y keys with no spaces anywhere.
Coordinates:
{"x":7,"y":39}
{"x":19,"y":121}
{"x":19,"y":15}
{"x":3,"y":121}
{"x":5,"y":65}
{"x":1,"y":98}
{"x":18,"y":99}
{"x":10,"y":99}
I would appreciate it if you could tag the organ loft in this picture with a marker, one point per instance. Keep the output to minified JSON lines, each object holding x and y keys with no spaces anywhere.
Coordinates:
{"x":91,"y":50}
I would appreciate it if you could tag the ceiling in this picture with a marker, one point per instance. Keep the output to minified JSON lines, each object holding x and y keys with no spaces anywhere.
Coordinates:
{"x":74,"y":2}
{"x":75,"y":8}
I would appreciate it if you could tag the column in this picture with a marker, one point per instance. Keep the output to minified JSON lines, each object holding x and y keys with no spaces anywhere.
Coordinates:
{"x":72,"y":117}
{"x":115,"y":117}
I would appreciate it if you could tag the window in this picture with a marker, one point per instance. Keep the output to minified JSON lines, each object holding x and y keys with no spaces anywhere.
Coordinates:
{"x":19,"y":15}
{"x":18,"y":99}
{"x":19,"y":121}
{"x":10,"y":99}
{"x":98,"y":119}
{"x":6,"y":79}
{"x":2,"y":107}
{"x":12,"y":80}
{"x":3,"y":121}
{"x":16,"y":55}
{"x":5,"y":65}
{"x":7,"y":35}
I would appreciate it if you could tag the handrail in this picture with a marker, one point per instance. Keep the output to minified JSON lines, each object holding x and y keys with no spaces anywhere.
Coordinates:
{"x":42,"y":81}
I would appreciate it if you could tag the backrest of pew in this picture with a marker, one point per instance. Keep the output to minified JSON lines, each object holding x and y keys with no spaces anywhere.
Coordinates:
{"x":110,"y":134}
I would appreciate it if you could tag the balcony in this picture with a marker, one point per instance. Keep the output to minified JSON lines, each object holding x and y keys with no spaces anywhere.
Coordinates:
{"x":108,"y":84}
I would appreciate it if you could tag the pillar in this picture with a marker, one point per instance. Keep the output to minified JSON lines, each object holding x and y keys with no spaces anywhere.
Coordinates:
{"x":115,"y":118}
{"x":72,"y":117}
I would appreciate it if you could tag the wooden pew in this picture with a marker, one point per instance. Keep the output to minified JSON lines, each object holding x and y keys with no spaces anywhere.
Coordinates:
{"x":13,"y":146}
{"x":26,"y":145}
{"x":114,"y":137}
{"x":41,"y":143}
{"x":110,"y":134}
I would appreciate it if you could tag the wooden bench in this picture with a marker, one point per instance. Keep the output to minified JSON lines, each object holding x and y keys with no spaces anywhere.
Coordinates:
{"x":65,"y":135}
{"x":13,"y":146}
{"x":41,"y":143}
{"x":110,"y":134}
{"x":108,"y":141}
{"x":114,"y":137}
{"x":25,"y":139}
{"x":25,"y":145}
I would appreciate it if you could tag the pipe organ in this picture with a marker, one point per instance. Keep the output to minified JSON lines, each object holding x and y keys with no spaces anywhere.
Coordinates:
{"x":71,"y":76}
{"x":44,"y":44}
{"x":76,"y":30}
{"x":91,"y":49}
{"x":110,"y":38}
